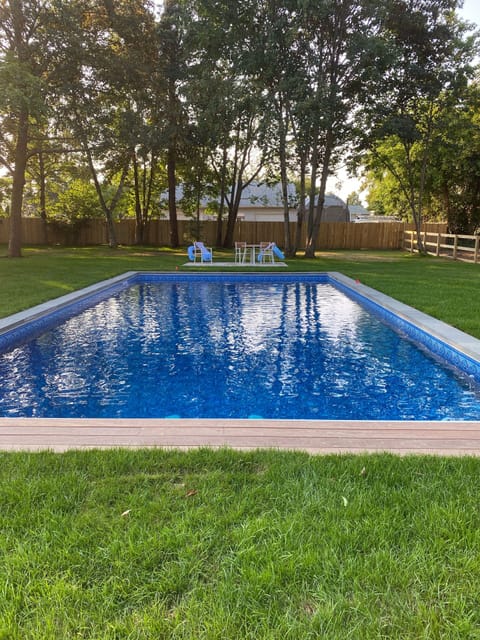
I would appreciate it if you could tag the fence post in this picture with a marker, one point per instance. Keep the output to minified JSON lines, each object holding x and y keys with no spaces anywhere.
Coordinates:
{"x":477,"y":243}
{"x":438,"y":244}
{"x":455,"y":245}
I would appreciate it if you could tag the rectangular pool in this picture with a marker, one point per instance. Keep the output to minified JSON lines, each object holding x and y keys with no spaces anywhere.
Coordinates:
{"x":258,"y":346}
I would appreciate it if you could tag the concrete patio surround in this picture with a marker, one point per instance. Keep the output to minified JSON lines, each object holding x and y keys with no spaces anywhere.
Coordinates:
{"x":314,"y":436}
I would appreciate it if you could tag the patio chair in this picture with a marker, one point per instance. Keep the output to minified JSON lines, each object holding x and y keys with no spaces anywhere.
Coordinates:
{"x":240,"y":252}
{"x":266,"y":252}
{"x":198,"y":252}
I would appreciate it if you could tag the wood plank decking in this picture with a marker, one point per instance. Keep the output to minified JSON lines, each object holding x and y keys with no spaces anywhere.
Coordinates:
{"x":317,"y":437}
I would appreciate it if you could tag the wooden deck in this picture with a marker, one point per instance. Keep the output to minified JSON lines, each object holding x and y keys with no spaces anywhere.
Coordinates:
{"x":316,"y":437}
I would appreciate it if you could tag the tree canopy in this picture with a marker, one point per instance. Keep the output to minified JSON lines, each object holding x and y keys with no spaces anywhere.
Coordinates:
{"x":132,"y":98}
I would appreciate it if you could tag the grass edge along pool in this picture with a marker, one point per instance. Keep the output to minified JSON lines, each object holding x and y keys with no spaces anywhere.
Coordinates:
{"x":453,"y":346}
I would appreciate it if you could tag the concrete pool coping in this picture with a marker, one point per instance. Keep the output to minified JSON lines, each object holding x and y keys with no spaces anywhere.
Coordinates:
{"x":314,"y":436}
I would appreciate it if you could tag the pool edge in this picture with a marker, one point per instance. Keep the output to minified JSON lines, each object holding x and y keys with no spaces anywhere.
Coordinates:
{"x":457,"y":339}
{"x":317,"y":437}
{"x":55,"y":304}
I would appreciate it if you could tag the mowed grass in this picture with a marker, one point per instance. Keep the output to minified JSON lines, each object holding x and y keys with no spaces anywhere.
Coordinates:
{"x":265,"y":545}
{"x":231,"y":545}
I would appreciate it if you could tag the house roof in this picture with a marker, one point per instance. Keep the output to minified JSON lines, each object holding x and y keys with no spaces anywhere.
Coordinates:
{"x":358,"y":210}
{"x":261,"y":195}
{"x":255,"y":195}
{"x":331,"y":200}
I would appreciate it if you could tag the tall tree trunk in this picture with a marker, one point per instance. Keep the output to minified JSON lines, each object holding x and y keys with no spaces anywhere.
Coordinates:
{"x":113,"y":205}
{"x":423,"y":176}
{"x":230,"y":231}
{"x":107,"y":210}
{"x":143,"y":196}
{"x":15,"y":239}
{"x":284,"y":184}
{"x":172,"y":201}
{"x":139,"y":222}
{"x":221,"y":209}
{"x":222,"y":197}
{"x":232,"y":215}
{"x":43,"y":195}
{"x":112,"y":240}
{"x":414,"y":199}
{"x":313,"y":234}
{"x":197,"y":215}
{"x":418,"y":228}
{"x":301,"y":207}
{"x":313,"y":182}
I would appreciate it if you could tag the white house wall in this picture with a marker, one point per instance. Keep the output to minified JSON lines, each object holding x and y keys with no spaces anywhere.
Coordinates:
{"x":275,"y":214}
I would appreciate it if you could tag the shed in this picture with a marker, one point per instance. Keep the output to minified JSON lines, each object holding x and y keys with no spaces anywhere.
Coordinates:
{"x":334,"y":209}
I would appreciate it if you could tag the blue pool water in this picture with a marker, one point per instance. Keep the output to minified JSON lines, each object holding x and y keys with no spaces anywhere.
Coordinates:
{"x":219,"y":349}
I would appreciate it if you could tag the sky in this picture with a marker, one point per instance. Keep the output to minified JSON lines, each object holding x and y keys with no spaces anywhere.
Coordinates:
{"x":471,"y":11}
{"x":342,"y":185}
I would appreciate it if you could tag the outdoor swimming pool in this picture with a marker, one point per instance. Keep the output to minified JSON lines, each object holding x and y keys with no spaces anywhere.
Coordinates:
{"x":238,"y":346}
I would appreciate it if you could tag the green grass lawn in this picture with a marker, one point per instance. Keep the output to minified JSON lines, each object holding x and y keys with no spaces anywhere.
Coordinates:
{"x":228,"y":545}
{"x":113,"y":545}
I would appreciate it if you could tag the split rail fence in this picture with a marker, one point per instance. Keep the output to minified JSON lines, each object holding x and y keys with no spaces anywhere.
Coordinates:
{"x":332,"y":235}
{"x":446,"y":245}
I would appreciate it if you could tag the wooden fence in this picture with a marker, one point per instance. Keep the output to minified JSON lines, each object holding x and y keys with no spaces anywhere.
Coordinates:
{"x":332,"y":235}
{"x":446,"y":245}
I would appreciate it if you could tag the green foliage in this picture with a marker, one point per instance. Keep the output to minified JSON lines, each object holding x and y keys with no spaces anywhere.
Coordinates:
{"x":451,"y":188}
{"x":434,"y":61}
{"x":5,"y":188}
{"x":224,"y":93}
{"x":24,"y":85}
{"x":354,"y":198}
{"x":455,"y":181}
{"x":76,"y":203}
{"x":385,"y":195}
{"x":20,"y":87}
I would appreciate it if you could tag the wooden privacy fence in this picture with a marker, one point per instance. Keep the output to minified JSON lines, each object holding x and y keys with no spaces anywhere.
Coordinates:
{"x":446,"y":245}
{"x":332,"y":235}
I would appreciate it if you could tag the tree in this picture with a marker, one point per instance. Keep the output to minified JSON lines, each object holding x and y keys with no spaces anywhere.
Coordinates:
{"x":220,"y":94}
{"x":227,"y":103}
{"x":23,"y":43}
{"x":275,"y":65}
{"x":354,"y":198}
{"x":335,"y":45}
{"x":384,"y":196}
{"x":453,"y":185}
{"x":172,"y":31}
{"x":244,"y":166}
{"x":106,"y":54}
{"x":144,"y":118}
{"x":77,"y":203}
{"x":198,"y":179}
{"x":432,"y":59}
{"x":51,"y":163}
